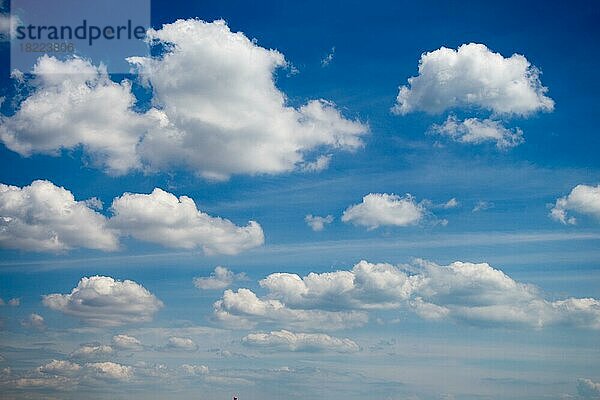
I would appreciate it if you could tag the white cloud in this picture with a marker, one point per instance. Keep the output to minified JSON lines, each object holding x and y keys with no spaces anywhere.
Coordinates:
{"x":219,"y":279}
{"x":384,"y":210}
{"x":452,"y":203}
{"x":477,"y":131}
{"x":35,"y":321}
{"x":286,"y":340}
{"x":110,"y":370}
{"x":92,"y":351}
{"x":317,"y":223}
{"x":104,"y":301}
{"x":75,"y":104}
{"x":466,"y":292}
{"x":60,"y":367}
{"x":125,"y":342}
{"x":45,"y":217}
{"x":321,"y":163}
{"x":180,"y":343}
{"x":482,"y":206}
{"x":160,"y":217}
{"x":328,"y":58}
{"x":244,"y":309}
{"x":588,"y":389}
{"x":583,"y":199}
{"x":231,"y":118}
{"x":474,"y":77}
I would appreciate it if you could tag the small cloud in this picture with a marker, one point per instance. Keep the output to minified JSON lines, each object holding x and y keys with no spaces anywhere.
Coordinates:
{"x":219,"y":279}
{"x":452,"y":203}
{"x":125,"y":342}
{"x":317,"y":223}
{"x":180,"y":343}
{"x":34,"y":321}
{"x":328,"y":58}
{"x":482,"y":206}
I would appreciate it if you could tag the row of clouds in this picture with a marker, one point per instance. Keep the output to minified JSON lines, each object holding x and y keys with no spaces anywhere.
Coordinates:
{"x":232,"y":119}
{"x":45,"y":217}
{"x":474,"y":294}
{"x":463,"y":292}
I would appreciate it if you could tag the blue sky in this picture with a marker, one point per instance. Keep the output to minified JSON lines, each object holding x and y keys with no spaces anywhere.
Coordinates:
{"x":493,"y":295}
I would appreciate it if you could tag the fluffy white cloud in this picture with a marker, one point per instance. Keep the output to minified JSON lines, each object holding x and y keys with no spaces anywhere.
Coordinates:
{"x":160,"y":217}
{"x":180,"y":343}
{"x":92,"y":351}
{"x":231,"y":118}
{"x":588,"y":389}
{"x":219,"y":279}
{"x":102,"y":300}
{"x":286,"y":340}
{"x":317,"y":223}
{"x":466,"y":292}
{"x":474,"y":76}
{"x":45,"y":217}
{"x":73,"y":104}
{"x":583,"y":199}
{"x":384,"y":210}
{"x":125,"y":342}
{"x":110,"y":370}
{"x":244,"y":309}
{"x":477,"y":131}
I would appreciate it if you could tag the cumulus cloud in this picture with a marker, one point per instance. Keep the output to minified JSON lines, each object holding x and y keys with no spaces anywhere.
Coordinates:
{"x":286,"y":340}
{"x":474,"y":77}
{"x":92,"y":351}
{"x":317,"y":223}
{"x":465,"y":292}
{"x":104,"y":301}
{"x":229,"y":119}
{"x":75,"y":104}
{"x":45,"y":217}
{"x":163,"y":218}
{"x":125,"y":342}
{"x":384,"y":210}
{"x":243,"y":309}
{"x":219,"y":279}
{"x":477,"y":131}
{"x":110,"y":371}
{"x":180,"y":343}
{"x":60,"y":367}
{"x":583,"y":199}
